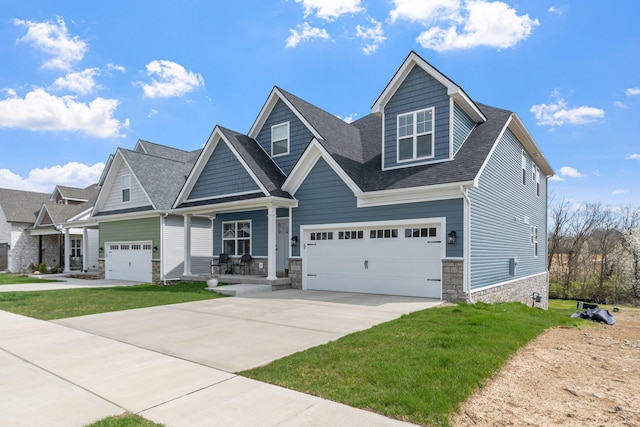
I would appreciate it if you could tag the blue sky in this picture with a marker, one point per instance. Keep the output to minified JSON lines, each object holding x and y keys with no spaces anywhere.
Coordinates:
{"x":80,"y":78}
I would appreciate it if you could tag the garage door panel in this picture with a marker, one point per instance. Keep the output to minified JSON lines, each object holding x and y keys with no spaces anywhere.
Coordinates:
{"x":381,"y":259}
{"x":129,"y":261}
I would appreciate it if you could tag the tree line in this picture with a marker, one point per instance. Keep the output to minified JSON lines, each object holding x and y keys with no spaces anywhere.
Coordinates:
{"x":594,"y":252}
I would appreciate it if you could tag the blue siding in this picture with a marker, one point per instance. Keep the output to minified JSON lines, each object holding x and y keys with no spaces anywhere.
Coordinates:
{"x":498,"y":209}
{"x":418,"y":91}
{"x":462,"y":127}
{"x":222,"y":175}
{"x":299,"y":136}
{"x":259,"y":230}
{"x":324,"y":198}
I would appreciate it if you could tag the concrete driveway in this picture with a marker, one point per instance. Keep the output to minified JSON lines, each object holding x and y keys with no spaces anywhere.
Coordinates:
{"x":176,"y":364}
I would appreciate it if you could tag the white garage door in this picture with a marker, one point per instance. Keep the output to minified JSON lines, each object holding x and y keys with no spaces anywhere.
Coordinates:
{"x":128,"y":261}
{"x":393,"y":260}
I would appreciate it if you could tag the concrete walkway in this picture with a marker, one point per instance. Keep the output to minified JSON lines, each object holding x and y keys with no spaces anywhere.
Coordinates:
{"x":175,"y":364}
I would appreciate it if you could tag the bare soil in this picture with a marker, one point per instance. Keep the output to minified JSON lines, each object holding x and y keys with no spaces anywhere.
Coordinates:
{"x":566,"y":377}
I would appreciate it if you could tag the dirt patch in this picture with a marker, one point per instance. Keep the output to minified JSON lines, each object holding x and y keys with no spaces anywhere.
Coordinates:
{"x":566,"y":377}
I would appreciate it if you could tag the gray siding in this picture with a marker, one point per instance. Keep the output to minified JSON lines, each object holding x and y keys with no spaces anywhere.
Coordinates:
{"x":324,"y":198}
{"x":462,"y":127}
{"x":143,"y":229}
{"x":498,"y":210}
{"x":418,"y":91}
{"x":299,"y":136}
{"x":222,"y":175}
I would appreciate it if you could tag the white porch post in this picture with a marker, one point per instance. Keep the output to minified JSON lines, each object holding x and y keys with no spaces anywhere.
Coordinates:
{"x":187,"y":244}
{"x":271,"y":243}
{"x":85,"y":249}
{"x":67,"y":251}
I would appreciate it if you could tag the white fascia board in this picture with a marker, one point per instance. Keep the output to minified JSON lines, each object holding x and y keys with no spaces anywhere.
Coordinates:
{"x":400,"y":196}
{"x":222,"y":196}
{"x":50,"y":230}
{"x":307,"y":161}
{"x":522,"y":133}
{"x":453,"y":90}
{"x":274,"y":96}
{"x":237,"y":206}
{"x":124,"y":216}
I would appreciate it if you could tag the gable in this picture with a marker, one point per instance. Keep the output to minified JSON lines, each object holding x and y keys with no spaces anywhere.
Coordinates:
{"x":299,"y":135}
{"x":113,"y":200}
{"x":462,"y":127}
{"x":222,"y":175}
{"x":418,"y":91}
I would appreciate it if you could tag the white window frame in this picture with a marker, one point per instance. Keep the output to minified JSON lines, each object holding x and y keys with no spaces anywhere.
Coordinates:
{"x":415,"y":135}
{"x":126,"y":188}
{"x":524,"y":168}
{"x":531,"y":240}
{"x":535,"y":242}
{"x":287,"y":139}
{"x":536,"y":172}
{"x":236,"y":238}
{"x":76,"y":247}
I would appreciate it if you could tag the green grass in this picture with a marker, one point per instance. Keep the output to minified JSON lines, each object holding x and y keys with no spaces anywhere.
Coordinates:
{"x":418,"y":368}
{"x":125,"y":420}
{"x":59,"y":304}
{"x":8,"y":279}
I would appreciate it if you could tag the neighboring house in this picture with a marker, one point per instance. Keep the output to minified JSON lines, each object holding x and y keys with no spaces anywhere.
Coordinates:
{"x":139,"y":238}
{"x":431,"y":195}
{"x":33,"y":231}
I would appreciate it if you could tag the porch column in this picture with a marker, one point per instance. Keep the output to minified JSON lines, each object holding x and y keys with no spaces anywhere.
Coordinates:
{"x":67,"y":251}
{"x":85,"y":249}
{"x":187,"y":245}
{"x":271,"y":243}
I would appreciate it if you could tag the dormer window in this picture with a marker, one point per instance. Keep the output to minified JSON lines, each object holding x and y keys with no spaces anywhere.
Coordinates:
{"x":280,"y":139}
{"x":415,"y":135}
{"x":126,"y":188}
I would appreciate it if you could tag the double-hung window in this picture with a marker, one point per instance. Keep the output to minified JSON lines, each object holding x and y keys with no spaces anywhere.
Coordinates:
{"x":415,"y":135}
{"x":126,"y":188}
{"x":76,"y":247}
{"x":280,"y":139}
{"x":524,"y":168}
{"x":236,"y":237}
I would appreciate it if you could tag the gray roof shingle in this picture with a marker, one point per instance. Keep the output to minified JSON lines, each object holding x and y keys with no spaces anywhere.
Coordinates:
{"x":21,"y":206}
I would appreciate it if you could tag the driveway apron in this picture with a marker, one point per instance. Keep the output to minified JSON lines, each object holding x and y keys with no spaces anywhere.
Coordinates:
{"x":176,"y":364}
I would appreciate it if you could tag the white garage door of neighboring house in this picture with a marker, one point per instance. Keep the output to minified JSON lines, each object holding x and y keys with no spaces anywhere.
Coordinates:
{"x":382,"y":259}
{"x":128,"y":261}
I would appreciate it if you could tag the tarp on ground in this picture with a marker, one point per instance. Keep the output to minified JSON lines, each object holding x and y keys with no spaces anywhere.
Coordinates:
{"x":597,"y":315}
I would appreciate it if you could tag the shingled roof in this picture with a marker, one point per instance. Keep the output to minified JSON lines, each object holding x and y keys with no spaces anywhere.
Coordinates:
{"x":21,"y":206}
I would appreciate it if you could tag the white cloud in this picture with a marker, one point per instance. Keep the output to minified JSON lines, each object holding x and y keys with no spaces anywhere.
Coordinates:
{"x":120,"y":68}
{"x":618,"y":192}
{"x":634,"y":156}
{"x":330,"y":10}
{"x":172,"y":80}
{"x":465,"y":25}
{"x":556,"y":178}
{"x":350,"y":118}
{"x":426,"y":12}
{"x":570,"y":172}
{"x":81,"y":82}
{"x":619,"y":104}
{"x":632,"y":91}
{"x":152,"y":113}
{"x":53,"y":39}
{"x":306,"y":32}
{"x":44,"y":180}
{"x":557,"y":10}
{"x":372,"y":36}
{"x":41,"y":111}
{"x":559,"y":113}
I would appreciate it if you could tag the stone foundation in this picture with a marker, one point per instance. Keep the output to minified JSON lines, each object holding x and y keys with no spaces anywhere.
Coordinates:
{"x":295,"y":272}
{"x":101,"y":269}
{"x":453,"y":280}
{"x":521,"y":290}
{"x":156,"y":277}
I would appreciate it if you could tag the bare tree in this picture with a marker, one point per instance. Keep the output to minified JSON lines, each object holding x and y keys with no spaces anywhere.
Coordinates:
{"x":558,"y":219}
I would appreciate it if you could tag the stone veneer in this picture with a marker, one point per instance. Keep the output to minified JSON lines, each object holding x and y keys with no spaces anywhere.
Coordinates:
{"x":519,"y":290}
{"x":295,"y":272}
{"x":453,"y":280}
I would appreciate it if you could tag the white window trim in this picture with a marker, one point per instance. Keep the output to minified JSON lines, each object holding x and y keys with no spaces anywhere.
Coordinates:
{"x":77,"y":250}
{"x":536,"y":172}
{"x":535,"y":242}
{"x":288,"y":139}
{"x":415,"y":135}
{"x":128,"y":177}
{"x":523,"y":177}
{"x":236,"y":237}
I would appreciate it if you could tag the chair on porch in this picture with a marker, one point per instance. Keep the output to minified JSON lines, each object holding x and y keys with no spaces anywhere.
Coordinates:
{"x":245,"y":262}
{"x":224,"y":260}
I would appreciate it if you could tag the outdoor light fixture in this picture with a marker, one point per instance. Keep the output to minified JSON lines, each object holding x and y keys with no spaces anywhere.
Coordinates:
{"x":294,"y":241}
{"x":155,"y":249}
{"x":536,"y":298}
{"x":101,"y":249}
{"x":451,"y":237}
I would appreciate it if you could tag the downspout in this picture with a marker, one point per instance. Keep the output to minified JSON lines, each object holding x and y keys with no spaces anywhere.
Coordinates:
{"x":466,"y":276}
{"x":164,"y":277}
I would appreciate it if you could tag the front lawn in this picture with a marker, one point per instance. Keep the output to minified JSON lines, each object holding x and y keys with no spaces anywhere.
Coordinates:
{"x":8,"y":279}
{"x":418,"y":368}
{"x":58,"y":304}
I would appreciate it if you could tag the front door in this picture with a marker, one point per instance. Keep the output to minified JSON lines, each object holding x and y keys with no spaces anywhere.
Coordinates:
{"x":282,"y":245}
